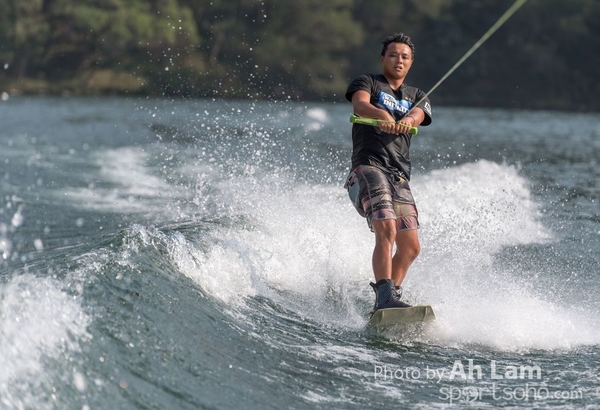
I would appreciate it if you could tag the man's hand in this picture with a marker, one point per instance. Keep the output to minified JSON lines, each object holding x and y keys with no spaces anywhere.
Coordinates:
{"x":406,"y":123}
{"x":363,"y":107}
{"x":400,"y":127}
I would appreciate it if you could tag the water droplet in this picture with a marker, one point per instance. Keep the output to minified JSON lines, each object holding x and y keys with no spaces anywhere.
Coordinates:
{"x":79,"y":382}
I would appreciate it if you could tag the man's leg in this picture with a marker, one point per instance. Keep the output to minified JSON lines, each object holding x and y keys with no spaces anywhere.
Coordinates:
{"x":385,"y":235}
{"x":407,"y":250}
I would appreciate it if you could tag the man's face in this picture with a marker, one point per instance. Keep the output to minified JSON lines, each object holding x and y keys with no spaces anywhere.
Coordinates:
{"x":397,"y":61}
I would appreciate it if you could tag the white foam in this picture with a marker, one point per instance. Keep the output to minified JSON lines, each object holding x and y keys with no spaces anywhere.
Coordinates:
{"x":482,"y":203}
{"x":306,"y":247}
{"x":125,"y":184}
{"x":291,"y":245}
{"x":317,"y":117}
{"x":37,"y":321}
{"x":317,"y":114}
{"x":469,"y":213}
{"x":126,"y":166}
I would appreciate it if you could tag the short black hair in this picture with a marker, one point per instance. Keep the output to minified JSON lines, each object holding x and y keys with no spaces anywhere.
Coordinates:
{"x":398,"y":38}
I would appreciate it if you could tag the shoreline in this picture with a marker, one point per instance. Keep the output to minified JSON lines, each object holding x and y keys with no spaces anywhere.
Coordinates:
{"x":121,"y":84}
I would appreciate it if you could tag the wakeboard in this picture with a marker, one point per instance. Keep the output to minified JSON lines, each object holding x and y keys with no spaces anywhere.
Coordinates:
{"x":401,"y":316}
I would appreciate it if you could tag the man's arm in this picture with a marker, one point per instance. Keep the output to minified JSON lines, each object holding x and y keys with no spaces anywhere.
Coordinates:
{"x":361,"y":103}
{"x":416,"y":114}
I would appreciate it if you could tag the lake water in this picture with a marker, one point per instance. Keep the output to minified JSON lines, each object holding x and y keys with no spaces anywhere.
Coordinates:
{"x":163,"y":254}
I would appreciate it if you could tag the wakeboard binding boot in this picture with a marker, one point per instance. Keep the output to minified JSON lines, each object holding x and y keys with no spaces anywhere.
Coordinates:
{"x":387,"y":295}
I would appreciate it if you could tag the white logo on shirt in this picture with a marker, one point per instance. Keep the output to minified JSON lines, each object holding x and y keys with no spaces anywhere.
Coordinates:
{"x":390,"y":103}
{"x":428,"y":108}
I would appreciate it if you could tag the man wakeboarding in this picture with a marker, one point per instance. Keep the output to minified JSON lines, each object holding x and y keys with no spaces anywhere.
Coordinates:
{"x":378,"y":184}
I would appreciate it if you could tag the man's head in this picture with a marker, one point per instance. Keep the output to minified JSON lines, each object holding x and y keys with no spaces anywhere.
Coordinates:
{"x":397,"y":57}
{"x":398,"y":38}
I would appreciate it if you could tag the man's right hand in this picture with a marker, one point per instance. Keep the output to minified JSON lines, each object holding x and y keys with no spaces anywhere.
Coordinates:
{"x":363,"y":107}
{"x":392,"y":127}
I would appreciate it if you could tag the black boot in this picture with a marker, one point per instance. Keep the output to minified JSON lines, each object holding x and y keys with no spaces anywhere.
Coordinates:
{"x":398,"y":291}
{"x":386,"y":295}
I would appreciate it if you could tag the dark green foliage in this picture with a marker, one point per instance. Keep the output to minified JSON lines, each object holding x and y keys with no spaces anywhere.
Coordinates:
{"x":545,"y":56}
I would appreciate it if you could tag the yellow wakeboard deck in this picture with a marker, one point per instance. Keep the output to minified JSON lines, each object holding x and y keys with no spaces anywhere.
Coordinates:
{"x":400,"y":316}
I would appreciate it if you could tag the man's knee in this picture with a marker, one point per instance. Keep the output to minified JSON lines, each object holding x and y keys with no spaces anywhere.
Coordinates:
{"x":385,"y":230}
{"x":413,"y":250}
{"x":408,"y":244}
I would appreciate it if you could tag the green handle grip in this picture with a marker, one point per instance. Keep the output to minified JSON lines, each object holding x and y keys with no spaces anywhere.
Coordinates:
{"x":354,"y":119}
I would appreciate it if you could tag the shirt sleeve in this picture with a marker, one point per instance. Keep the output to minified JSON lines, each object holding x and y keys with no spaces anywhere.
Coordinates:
{"x":425,"y":105}
{"x":362,"y":83}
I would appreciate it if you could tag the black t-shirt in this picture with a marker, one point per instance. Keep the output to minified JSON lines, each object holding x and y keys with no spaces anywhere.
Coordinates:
{"x":374,"y":147}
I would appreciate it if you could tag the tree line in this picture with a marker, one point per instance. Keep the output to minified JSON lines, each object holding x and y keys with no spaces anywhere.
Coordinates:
{"x":546,"y":56}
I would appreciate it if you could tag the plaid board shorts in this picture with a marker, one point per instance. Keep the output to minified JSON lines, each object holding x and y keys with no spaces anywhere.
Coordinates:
{"x":378,"y":195}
